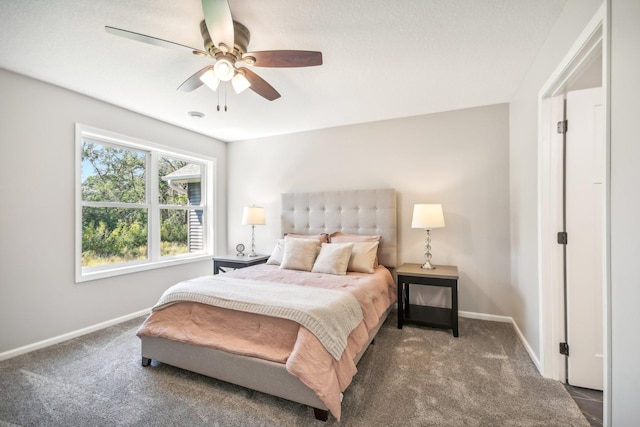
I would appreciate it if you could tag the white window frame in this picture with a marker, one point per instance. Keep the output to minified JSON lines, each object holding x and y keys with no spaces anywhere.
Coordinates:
{"x":154,"y":151}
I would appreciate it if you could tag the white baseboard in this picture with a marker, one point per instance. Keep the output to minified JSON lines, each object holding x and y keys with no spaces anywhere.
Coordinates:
{"x":60,"y":338}
{"x":532,"y":355}
{"x":506,"y":319}
{"x":484,"y":316}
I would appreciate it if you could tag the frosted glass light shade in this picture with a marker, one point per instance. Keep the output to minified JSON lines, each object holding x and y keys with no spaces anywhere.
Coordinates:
{"x":240,"y":83}
{"x":224,"y":70}
{"x":427,"y":217}
{"x":253,"y":215}
{"x":209,"y":78}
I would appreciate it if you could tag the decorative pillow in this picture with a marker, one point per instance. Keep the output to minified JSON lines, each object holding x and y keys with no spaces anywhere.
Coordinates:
{"x":299,"y":254}
{"x":333,"y":258}
{"x":340,"y":237}
{"x":322,"y":237}
{"x":276,"y":254}
{"x":363,"y":257}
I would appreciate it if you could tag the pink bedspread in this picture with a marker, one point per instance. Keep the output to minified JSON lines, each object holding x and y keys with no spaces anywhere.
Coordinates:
{"x":282,"y":340}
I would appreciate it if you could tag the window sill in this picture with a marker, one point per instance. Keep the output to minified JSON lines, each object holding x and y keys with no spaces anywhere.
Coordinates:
{"x":135,"y":268}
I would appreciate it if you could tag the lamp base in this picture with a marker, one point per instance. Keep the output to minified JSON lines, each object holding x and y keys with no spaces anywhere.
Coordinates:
{"x":253,"y":242}
{"x":427,"y":252}
{"x":428,"y":266}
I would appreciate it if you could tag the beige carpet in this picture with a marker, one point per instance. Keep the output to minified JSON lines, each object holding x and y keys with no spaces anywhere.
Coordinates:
{"x":410,"y":377}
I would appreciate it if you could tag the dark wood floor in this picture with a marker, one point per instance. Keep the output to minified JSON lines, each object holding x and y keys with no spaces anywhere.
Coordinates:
{"x":590,"y":403}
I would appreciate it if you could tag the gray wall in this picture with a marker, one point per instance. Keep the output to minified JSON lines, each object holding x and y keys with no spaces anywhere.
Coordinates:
{"x":38,"y":296}
{"x":625,"y":206}
{"x":458,"y":158}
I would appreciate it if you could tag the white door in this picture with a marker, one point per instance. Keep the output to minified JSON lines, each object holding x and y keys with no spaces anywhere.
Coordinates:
{"x":585,"y":142}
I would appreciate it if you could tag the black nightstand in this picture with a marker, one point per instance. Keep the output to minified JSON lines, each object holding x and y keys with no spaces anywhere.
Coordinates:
{"x":435,"y":317}
{"x":234,"y":261}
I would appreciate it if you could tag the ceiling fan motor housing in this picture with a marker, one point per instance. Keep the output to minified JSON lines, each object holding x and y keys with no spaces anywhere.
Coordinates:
{"x":241,"y":40}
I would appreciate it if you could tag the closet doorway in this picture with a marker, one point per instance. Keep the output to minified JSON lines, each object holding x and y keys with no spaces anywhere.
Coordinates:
{"x":581,"y":69}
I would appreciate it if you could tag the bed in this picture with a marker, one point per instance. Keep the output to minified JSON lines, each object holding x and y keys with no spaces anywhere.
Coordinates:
{"x":341,"y":214}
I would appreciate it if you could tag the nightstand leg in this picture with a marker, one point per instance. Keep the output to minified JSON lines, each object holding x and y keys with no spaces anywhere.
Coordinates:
{"x":400,"y":300}
{"x":454,"y":309}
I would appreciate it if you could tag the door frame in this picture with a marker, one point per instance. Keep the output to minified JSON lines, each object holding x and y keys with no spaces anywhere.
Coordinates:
{"x":592,"y":42}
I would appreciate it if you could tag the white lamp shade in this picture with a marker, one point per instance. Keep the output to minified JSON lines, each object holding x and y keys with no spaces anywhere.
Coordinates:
{"x":224,"y":70}
{"x":240,"y":83}
{"x":427,"y":217}
{"x":209,"y":78}
{"x":253,"y":215}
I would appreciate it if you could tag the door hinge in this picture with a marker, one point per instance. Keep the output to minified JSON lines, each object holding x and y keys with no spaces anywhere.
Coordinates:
{"x":562,"y":238}
{"x":563,"y":126}
{"x":564,"y":348}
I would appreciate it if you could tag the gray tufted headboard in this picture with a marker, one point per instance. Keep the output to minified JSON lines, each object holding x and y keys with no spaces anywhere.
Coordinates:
{"x":365,"y":212}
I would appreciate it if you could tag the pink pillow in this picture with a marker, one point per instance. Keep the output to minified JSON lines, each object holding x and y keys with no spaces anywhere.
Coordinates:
{"x":340,"y":237}
{"x":322,"y":237}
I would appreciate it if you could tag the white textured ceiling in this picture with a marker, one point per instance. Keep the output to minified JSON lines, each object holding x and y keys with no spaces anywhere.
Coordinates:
{"x":383,"y":59}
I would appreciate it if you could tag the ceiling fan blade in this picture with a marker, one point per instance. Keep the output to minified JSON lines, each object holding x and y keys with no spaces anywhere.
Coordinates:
{"x":217,"y":15}
{"x":285,"y":58}
{"x":194,"y":82}
{"x":154,"y":41}
{"x":260,"y":86}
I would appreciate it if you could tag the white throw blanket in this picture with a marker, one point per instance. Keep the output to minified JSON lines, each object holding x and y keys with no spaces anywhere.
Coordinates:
{"x":329,"y":314}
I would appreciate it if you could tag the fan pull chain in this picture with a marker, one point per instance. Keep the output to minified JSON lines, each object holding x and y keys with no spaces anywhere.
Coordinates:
{"x":224,"y":87}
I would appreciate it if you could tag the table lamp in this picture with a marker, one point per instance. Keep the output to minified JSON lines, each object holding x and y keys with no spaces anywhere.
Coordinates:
{"x":253,"y":215}
{"x":427,"y":217}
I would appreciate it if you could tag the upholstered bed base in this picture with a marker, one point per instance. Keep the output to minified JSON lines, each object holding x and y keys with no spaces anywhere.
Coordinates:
{"x":256,"y":374}
{"x":363,"y":212}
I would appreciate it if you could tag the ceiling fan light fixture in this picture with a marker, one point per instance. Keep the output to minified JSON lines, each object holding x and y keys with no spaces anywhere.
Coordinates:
{"x":225,"y":43}
{"x":240,"y":83}
{"x":224,"y":70}
{"x":210,"y":79}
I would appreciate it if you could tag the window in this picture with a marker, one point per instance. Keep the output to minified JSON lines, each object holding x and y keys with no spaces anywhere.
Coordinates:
{"x":140,"y":205}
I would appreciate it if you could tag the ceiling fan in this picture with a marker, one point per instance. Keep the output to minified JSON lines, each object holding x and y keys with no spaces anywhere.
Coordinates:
{"x":226,"y":42}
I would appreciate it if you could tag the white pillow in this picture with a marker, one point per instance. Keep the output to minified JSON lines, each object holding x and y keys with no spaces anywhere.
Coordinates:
{"x":299,"y":254}
{"x":333,"y":258}
{"x":276,"y":254}
{"x":363,"y":257}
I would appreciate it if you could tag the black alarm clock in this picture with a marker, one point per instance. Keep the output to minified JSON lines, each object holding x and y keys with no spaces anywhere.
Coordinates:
{"x":240,"y":249}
